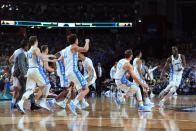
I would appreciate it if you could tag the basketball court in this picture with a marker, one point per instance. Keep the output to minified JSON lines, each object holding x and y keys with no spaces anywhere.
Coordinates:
{"x":103,"y":115}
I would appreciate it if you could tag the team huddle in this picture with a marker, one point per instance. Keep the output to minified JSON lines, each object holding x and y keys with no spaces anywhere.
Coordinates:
{"x":34,"y":80}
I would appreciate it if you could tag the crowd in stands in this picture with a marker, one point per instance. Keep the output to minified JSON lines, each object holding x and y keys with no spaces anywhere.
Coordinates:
{"x":46,"y":11}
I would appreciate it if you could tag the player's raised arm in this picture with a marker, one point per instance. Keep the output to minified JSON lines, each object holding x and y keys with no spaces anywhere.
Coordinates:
{"x":154,"y":68}
{"x":82,"y":49}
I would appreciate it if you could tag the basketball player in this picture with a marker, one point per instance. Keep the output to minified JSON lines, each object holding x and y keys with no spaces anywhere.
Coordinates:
{"x":36,"y":74}
{"x":89,"y":74}
{"x":177,"y":63}
{"x":137,"y":66}
{"x":44,"y":51}
{"x":62,"y":99}
{"x":70,"y":56}
{"x":44,"y":65}
{"x":124,"y":67}
{"x":20,"y":71}
{"x":16,"y":84}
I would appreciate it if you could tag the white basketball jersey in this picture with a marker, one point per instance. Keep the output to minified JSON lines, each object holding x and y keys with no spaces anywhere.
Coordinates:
{"x":88,"y":62}
{"x":135,"y":67}
{"x":177,"y":63}
{"x":71,"y":60}
{"x":120,"y":72}
{"x":33,"y":60}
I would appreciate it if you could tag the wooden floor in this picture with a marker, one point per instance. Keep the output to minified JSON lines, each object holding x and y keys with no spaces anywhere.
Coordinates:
{"x":102,"y":115}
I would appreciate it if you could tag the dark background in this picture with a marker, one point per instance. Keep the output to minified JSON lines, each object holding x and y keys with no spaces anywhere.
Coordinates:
{"x":157,"y":25}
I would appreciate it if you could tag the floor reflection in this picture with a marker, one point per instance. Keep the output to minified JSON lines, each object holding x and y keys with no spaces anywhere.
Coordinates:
{"x":102,"y":114}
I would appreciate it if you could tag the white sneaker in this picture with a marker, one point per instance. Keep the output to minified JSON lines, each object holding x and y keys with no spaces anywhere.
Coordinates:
{"x":85,"y":113}
{"x":161,"y":104}
{"x":62,"y":113}
{"x":79,"y":106}
{"x":20,"y":105}
{"x":145,"y":108}
{"x":85,"y":105}
{"x":62,"y":104}
{"x":107,"y":93}
{"x":148,"y":102}
{"x":44,"y":105}
{"x":175,"y":95}
{"x":152,"y":95}
{"x":52,"y":103}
